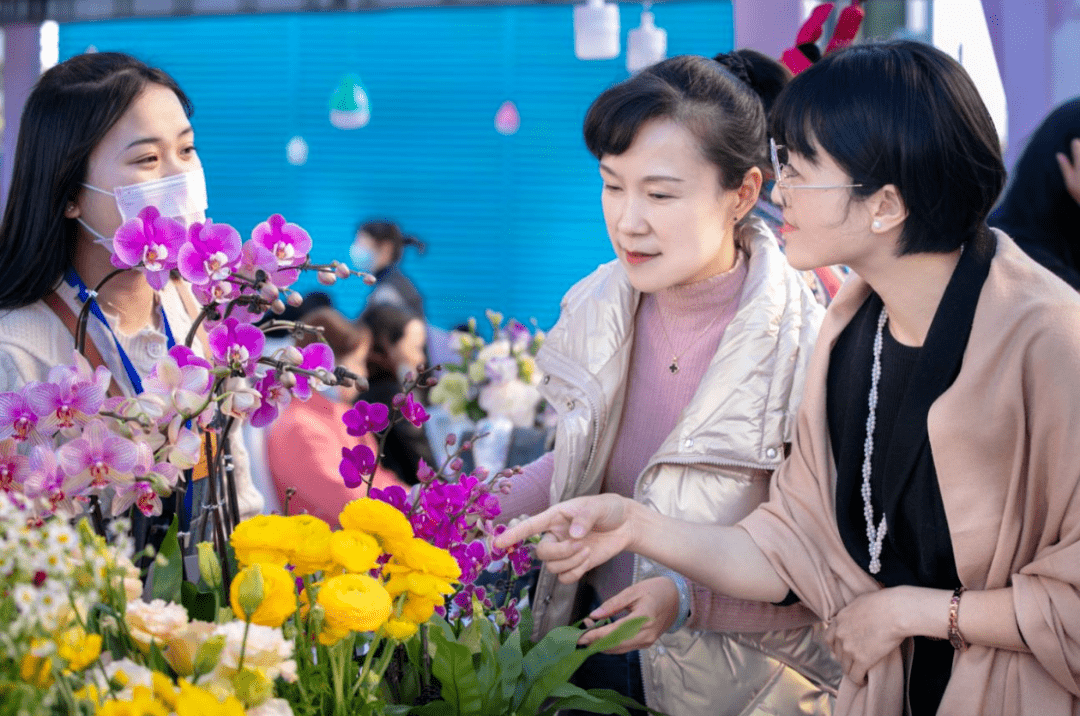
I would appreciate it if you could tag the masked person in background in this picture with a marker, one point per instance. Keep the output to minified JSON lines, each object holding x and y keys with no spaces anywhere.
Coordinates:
{"x":378,"y":249}
{"x":102,"y":136}
{"x":397,"y":348}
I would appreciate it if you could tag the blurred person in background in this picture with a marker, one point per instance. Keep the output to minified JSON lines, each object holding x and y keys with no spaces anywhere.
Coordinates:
{"x":1041,"y":207}
{"x":377,"y":249}
{"x":397,"y":349}
{"x":304,"y":445}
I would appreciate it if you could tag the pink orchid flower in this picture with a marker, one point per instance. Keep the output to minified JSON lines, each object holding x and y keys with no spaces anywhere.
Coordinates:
{"x":275,"y":397}
{"x":17,"y":420}
{"x":13,"y":466}
{"x":316,"y":355}
{"x":257,"y":257}
{"x":185,"y":389}
{"x":365,"y":417}
{"x":47,"y":482}
{"x":211,"y":253}
{"x":236,"y":345}
{"x":66,"y":404}
{"x":141,"y":494}
{"x":413,"y":411}
{"x":288,"y":243}
{"x":356,"y":464}
{"x":152,"y":241}
{"x":99,"y":457}
{"x":240,"y":400}
{"x":215,"y":292}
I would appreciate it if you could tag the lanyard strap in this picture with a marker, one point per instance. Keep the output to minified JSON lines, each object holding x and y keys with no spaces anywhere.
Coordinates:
{"x":73,"y":279}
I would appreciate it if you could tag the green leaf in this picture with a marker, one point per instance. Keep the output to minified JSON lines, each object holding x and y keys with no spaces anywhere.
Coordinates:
{"x":168,"y":577}
{"x":435,"y":708}
{"x":568,"y":696}
{"x":547,"y":676}
{"x":156,"y":660}
{"x":453,"y":667}
{"x":201,"y":604}
{"x":525,"y":630}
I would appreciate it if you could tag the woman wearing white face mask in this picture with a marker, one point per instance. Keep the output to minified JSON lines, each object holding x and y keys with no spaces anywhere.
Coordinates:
{"x":377,"y":250}
{"x":103,"y":135}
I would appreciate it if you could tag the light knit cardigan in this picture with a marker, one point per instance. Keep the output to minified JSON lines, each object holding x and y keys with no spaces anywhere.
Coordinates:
{"x":33,"y":340}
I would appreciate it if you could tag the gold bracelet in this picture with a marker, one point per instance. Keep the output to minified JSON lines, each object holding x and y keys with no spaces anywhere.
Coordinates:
{"x":955,"y":637}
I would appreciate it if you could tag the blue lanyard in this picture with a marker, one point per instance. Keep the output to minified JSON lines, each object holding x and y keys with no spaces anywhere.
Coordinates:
{"x":72,"y":279}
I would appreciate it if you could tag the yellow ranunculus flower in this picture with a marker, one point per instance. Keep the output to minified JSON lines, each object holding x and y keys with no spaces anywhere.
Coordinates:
{"x":279,"y":595}
{"x":354,"y":550}
{"x":164,"y":689}
{"x":418,"y":609}
{"x":379,"y":519}
{"x":142,"y":703}
{"x":399,"y":629}
{"x":78,"y":648}
{"x":421,"y":568}
{"x":352,"y":602}
{"x":263,"y":539}
{"x":37,"y":670}
{"x":194,"y":701}
{"x":310,"y":544}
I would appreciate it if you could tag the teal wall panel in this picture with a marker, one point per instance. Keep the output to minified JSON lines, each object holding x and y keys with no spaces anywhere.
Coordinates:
{"x":510,"y":221}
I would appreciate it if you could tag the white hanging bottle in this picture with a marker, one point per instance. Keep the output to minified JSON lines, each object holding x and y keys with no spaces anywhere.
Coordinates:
{"x":646,"y":44}
{"x":596,"y":30}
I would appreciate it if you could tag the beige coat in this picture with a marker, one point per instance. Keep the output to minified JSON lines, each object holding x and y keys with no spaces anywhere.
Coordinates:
{"x":1006,"y":444}
{"x":713,"y":467}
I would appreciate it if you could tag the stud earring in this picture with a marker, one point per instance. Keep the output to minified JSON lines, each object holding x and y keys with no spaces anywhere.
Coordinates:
{"x":876,"y":225}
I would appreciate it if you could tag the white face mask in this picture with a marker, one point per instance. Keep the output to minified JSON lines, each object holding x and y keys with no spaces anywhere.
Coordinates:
{"x":363,"y":258}
{"x":180,"y":196}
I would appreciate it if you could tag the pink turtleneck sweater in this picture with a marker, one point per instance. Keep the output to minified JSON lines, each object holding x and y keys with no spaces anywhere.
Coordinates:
{"x":684,"y":321}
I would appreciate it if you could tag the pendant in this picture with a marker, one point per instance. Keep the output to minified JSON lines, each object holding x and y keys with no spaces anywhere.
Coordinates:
{"x":674,"y":367}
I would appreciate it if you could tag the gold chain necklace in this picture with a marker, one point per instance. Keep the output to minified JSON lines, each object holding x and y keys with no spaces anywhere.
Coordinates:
{"x":673,"y":368}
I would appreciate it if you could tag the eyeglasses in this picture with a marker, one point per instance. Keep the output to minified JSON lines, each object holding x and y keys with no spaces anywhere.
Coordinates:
{"x":778,"y":153}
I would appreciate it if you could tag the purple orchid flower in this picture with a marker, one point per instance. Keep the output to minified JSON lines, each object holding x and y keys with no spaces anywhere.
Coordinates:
{"x":356,"y":464}
{"x":152,"y":241}
{"x":275,"y":397}
{"x":17,"y":419}
{"x":99,"y":457}
{"x":215,"y":292}
{"x":316,"y":355}
{"x":424,"y":473}
{"x":141,"y":494}
{"x":13,"y":466}
{"x":236,"y":345}
{"x":65,"y":404}
{"x":394,"y":495}
{"x":288,"y":243}
{"x":413,"y":411}
{"x":211,"y":253}
{"x":46,"y":480}
{"x":364,"y":418}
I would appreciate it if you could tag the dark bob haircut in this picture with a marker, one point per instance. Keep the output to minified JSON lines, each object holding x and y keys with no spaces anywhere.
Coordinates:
{"x":72,"y":107}
{"x":906,"y":114}
{"x":723,"y":112}
{"x":387,"y":232}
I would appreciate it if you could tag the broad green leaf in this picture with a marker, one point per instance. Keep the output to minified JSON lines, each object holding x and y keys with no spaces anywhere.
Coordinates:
{"x":435,"y":708}
{"x":200,"y":604}
{"x":567,"y":696}
{"x":510,"y":658}
{"x":168,"y":577}
{"x":559,"y":673}
{"x":525,"y":630}
{"x":453,"y":667}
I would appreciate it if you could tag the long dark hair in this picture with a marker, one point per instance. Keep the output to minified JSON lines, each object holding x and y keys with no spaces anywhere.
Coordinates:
{"x":1037,"y":210}
{"x":387,"y":232}
{"x":72,"y":107}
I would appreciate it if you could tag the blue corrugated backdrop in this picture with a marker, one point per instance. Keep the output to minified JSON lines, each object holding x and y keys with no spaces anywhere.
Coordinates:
{"x":510,"y":221}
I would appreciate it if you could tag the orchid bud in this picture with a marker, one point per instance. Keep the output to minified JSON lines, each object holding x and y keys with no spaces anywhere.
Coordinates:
{"x":278,"y":306}
{"x":292,"y":355}
{"x":324,"y":375}
{"x":467,"y":445}
{"x":295,"y":299}
{"x":481,"y":473}
{"x":326,"y":278}
{"x":456,"y":464}
{"x":287,"y":379}
{"x":369,"y":279}
{"x":398,"y":400}
{"x":268,"y":291}
{"x":342,"y":271}
{"x":451,"y":440}
{"x":409,"y":377}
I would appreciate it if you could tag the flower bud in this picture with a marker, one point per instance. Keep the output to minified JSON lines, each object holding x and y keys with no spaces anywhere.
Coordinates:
{"x":209,"y":566}
{"x":250,"y":594}
{"x":481,"y":473}
{"x":369,"y":279}
{"x":252,"y":687}
{"x":295,"y":299}
{"x":278,"y":306}
{"x":343,"y":271}
{"x":398,"y":400}
{"x":451,"y":440}
{"x":287,"y":380}
{"x":467,"y":445}
{"x":268,"y":292}
{"x":292,"y":355}
{"x":456,"y":464}
{"x":208,"y":653}
{"x":326,"y":278}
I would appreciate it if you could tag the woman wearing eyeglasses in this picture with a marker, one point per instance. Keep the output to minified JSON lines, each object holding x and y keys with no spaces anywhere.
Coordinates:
{"x":930,"y":508}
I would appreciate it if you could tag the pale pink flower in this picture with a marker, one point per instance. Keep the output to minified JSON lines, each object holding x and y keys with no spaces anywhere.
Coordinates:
{"x":67,"y":403}
{"x":288,"y":243}
{"x":46,"y":481}
{"x":13,"y":466}
{"x":99,"y":457}
{"x":17,"y":420}
{"x":240,"y":399}
{"x":236,"y":345}
{"x":182,"y":446}
{"x":139,"y":493}
{"x":275,"y":397}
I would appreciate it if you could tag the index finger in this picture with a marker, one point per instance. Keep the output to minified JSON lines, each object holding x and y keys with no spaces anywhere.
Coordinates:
{"x":525,"y":529}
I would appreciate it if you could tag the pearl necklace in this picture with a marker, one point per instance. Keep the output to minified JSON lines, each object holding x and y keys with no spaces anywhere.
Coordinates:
{"x":874,"y":536}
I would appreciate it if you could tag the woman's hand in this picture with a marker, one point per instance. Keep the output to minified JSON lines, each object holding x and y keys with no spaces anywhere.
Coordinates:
{"x":870,"y":627}
{"x":657,"y":599}
{"x":1070,"y":171}
{"x":579,"y":534}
